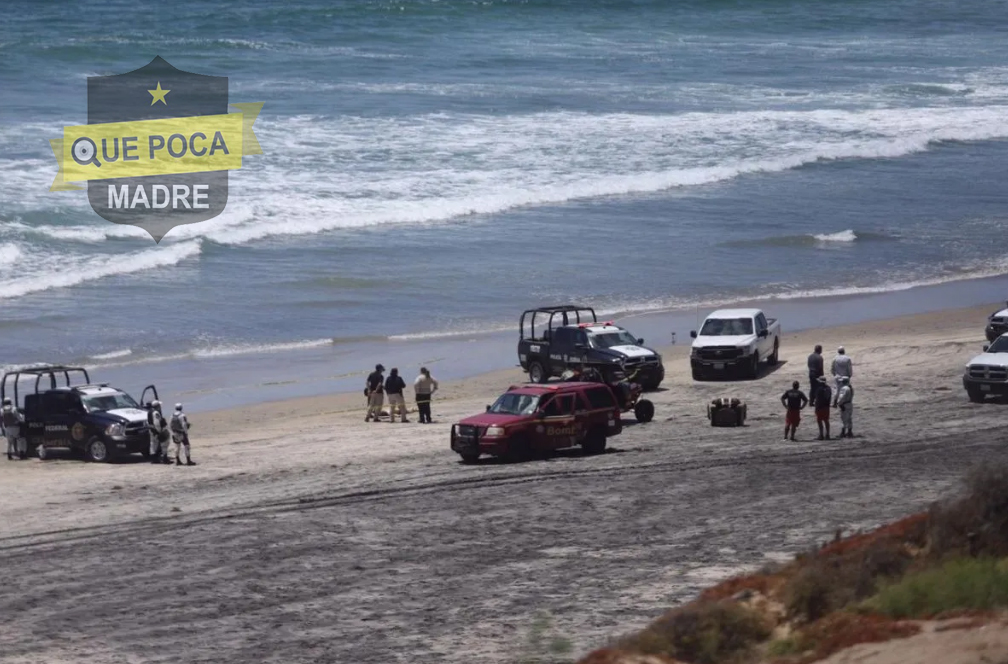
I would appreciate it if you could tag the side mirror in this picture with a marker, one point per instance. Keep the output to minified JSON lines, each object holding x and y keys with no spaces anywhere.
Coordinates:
{"x":640,"y":341}
{"x":692,"y":334}
{"x":986,"y":346}
{"x":488,"y":408}
{"x":541,"y":414}
{"x":763,"y":334}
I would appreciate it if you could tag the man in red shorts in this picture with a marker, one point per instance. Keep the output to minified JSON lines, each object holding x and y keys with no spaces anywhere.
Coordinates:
{"x":822,"y":406}
{"x":794,"y":400}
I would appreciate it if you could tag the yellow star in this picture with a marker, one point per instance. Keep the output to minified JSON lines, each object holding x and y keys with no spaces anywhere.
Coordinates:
{"x":158,"y":94}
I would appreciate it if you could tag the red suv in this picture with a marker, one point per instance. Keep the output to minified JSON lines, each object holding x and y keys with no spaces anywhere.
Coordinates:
{"x":538,"y":418}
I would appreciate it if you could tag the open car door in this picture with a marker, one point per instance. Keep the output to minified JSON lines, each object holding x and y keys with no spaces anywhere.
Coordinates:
{"x":144,"y":401}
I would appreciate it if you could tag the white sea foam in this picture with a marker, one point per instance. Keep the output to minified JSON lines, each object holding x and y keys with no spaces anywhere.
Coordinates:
{"x":841,"y":236}
{"x":112,"y":355}
{"x":89,"y":269}
{"x":330,"y":173}
{"x":244,"y":349}
{"x":9,"y":253}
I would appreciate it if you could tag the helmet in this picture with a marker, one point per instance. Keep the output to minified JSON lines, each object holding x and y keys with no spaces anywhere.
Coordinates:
{"x":156,"y":403}
{"x":178,"y":406}
{"x":6,"y":401}
{"x":840,"y":349}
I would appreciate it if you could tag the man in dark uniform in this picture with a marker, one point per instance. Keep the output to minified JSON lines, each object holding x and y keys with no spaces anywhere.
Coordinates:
{"x":375,"y":392}
{"x":794,"y":400}
{"x":821,"y":403}
{"x":815,"y":369}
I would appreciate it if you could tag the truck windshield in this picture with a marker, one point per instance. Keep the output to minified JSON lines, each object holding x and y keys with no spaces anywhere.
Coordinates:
{"x":610,"y":339}
{"x":515,"y":404}
{"x":1000,"y":345}
{"x":723,"y":327}
{"x":114,"y":401}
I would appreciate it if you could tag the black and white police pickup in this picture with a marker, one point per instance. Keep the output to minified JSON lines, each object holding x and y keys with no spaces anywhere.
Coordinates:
{"x":96,"y":421}
{"x":997,"y":324}
{"x":555,"y":339}
{"x":734,"y":341}
{"x":987,"y":373}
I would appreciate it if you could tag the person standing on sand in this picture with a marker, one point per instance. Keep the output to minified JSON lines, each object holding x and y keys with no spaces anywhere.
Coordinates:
{"x":394,"y":386}
{"x":821,"y":403}
{"x":180,"y":436}
{"x":841,"y":366}
{"x":794,"y":400}
{"x":845,"y":402}
{"x":424,"y":387}
{"x":374,"y":391}
{"x":815,"y":370}
{"x":157,"y":426}
{"x":17,"y":445}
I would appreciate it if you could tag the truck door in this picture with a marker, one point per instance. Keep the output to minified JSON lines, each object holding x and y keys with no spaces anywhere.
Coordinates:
{"x":561,"y":347}
{"x":561,"y":429}
{"x":763,"y":343}
{"x":56,"y":419}
{"x":144,"y":400}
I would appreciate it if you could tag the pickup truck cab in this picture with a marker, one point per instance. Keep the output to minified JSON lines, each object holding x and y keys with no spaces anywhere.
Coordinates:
{"x":534,"y":418}
{"x":96,"y":421}
{"x":555,"y":339}
{"x":987,"y":373}
{"x":734,"y":341}
{"x":997,"y":324}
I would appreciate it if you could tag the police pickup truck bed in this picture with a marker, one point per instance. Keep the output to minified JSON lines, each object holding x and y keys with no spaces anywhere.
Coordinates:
{"x":96,"y":421}
{"x":554,"y":339}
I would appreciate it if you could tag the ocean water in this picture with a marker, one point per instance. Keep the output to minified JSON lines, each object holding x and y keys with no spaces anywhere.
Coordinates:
{"x":432,"y":168}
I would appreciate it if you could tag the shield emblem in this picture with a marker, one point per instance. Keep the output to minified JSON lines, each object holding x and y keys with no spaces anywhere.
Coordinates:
{"x":156,"y":91}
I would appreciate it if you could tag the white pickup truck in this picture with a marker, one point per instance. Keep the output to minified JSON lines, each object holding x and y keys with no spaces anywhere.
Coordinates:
{"x":734,"y":341}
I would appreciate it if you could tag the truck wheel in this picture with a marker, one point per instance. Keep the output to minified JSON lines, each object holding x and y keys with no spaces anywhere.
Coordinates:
{"x":595,"y":442}
{"x":697,"y":374}
{"x":644,"y":410}
{"x":96,"y":450}
{"x":752,"y":371}
{"x":41,"y":452}
{"x":773,"y":359}
{"x":976,"y":396}
{"x":536,"y":373}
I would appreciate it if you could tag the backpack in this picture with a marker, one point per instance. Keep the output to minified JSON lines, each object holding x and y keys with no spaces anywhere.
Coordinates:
{"x":10,"y":419}
{"x":176,"y":424}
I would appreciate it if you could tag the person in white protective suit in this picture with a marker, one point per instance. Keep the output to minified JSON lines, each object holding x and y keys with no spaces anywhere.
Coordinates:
{"x":842,"y":365}
{"x":17,"y":444}
{"x":158,"y":429}
{"x":180,"y":436}
{"x":845,"y":402}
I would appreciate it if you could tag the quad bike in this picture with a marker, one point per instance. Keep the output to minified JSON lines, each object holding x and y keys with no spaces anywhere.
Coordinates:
{"x":628,"y":393}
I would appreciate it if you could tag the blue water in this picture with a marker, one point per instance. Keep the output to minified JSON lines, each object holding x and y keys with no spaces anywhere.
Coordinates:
{"x":432,"y":168}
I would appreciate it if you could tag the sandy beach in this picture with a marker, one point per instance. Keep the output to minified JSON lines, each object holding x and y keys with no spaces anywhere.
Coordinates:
{"x":306,"y":534}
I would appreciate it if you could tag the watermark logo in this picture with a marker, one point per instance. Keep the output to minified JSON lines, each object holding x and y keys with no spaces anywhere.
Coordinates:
{"x":157,"y":147}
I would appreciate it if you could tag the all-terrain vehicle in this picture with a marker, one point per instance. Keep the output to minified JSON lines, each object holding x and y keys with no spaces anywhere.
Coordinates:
{"x":627,"y":392}
{"x":554,"y":339}
{"x":63,"y":409}
{"x":529,"y":419}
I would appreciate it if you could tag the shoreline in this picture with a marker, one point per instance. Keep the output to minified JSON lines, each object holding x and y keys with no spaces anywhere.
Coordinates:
{"x":212,"y":384}
{"x":494,"y":381}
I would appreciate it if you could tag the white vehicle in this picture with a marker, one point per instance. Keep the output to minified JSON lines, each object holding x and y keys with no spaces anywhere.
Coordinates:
{"x":987,"y":373}
{"x":734,"y":341}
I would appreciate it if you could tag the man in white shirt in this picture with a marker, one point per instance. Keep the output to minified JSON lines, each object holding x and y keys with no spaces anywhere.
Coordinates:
{"x":424,"y":386}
